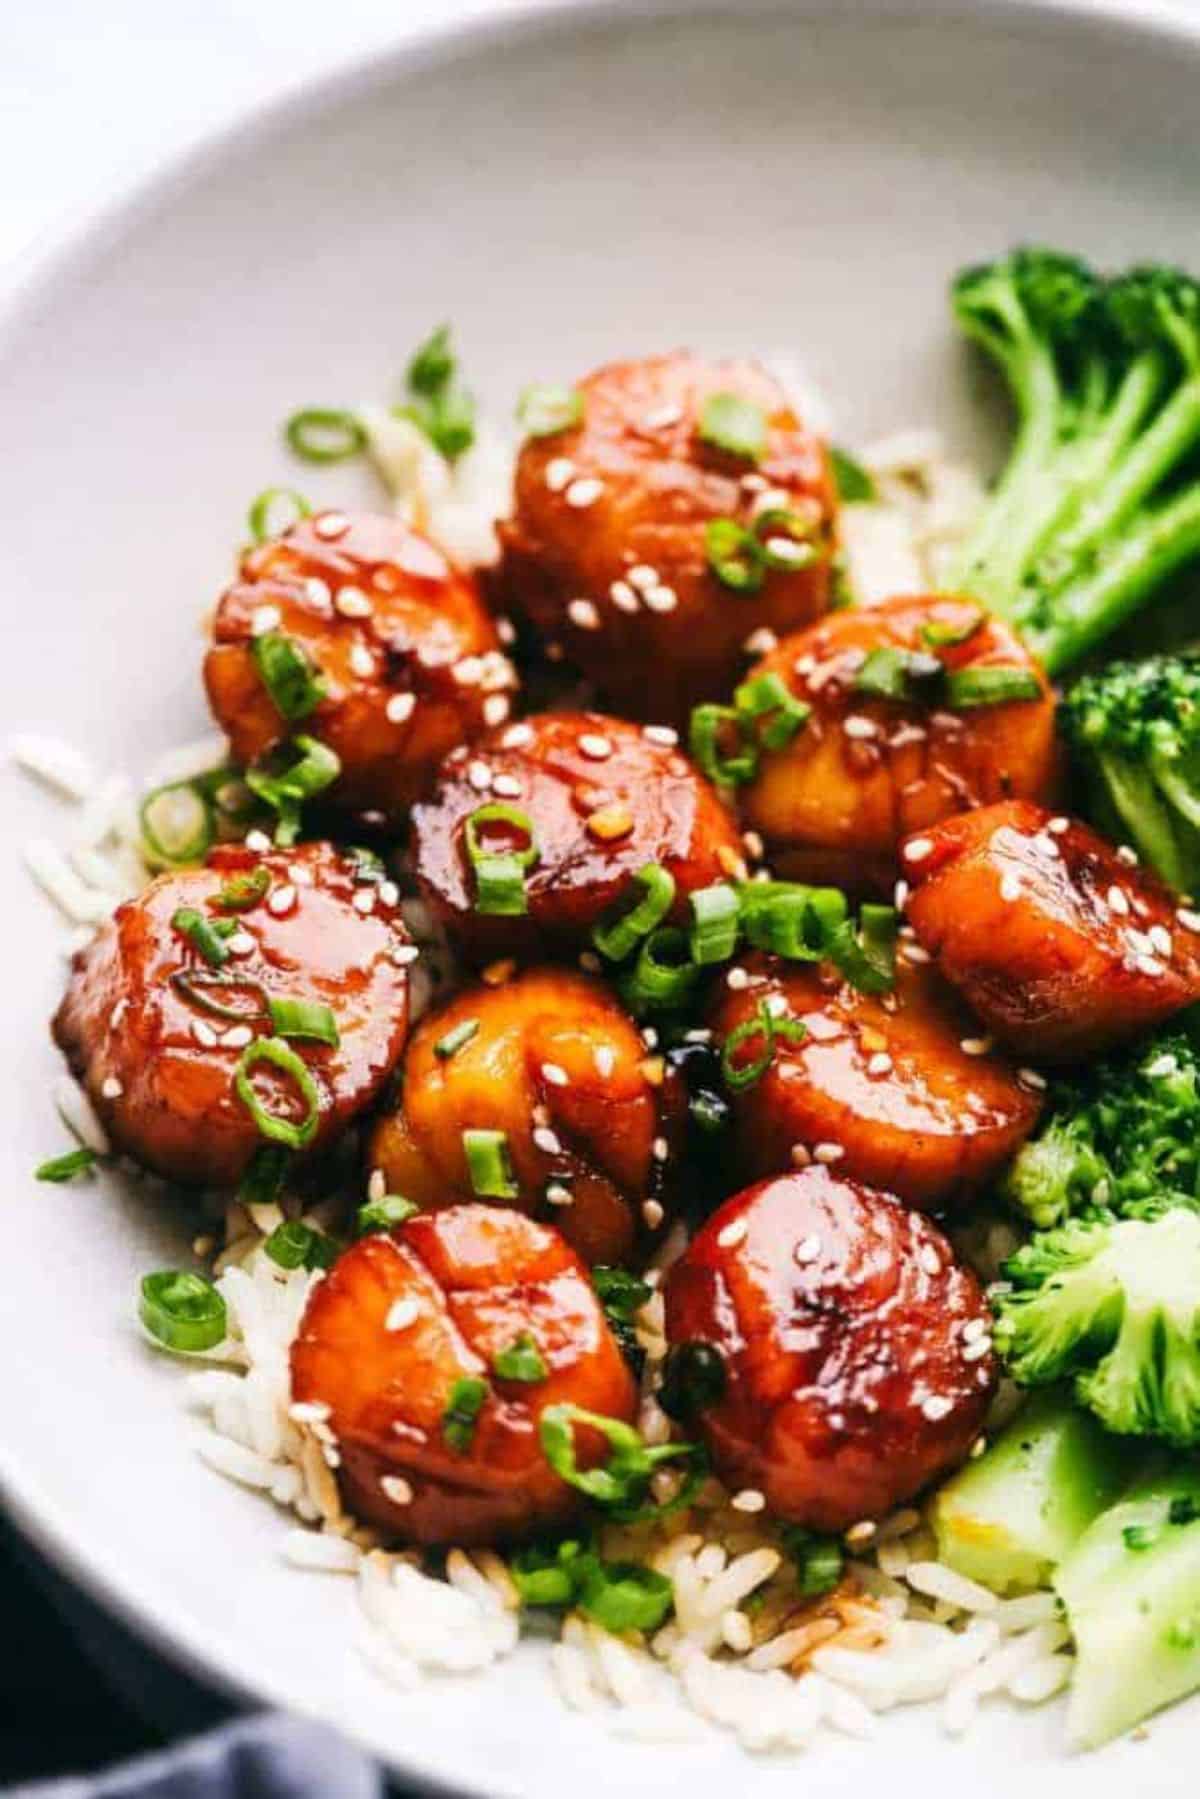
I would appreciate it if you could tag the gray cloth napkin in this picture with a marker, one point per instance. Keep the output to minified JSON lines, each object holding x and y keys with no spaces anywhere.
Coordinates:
{"x":256,"y":1758}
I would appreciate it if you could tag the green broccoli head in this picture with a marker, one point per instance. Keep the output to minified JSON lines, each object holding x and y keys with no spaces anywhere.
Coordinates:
{"x":1115,"y":1305}
{"x":1031,"y":294}
{"x":1121,"y":1137}
{"x":1156,"y":307}
{"x":1134,"y":733}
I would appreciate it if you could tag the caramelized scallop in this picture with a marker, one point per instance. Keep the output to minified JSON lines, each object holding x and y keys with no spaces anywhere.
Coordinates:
{"x":901,"y":1091}
{"x":601,"y":797}
{"x":591,"y":1123}
{"x":833,"y":803}
{"x":1057,"y":939}
{"x":402,"y":1347}
{"x":607,"y":551}
{"x":407,"y":658}
{"x":854,"y":1348}
{"x":156,"y":1032}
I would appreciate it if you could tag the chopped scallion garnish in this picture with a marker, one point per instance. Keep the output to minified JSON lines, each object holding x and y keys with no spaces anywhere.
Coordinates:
{"x":623,"y":1478}
{"x":663,"y":977}
{"x":939,"y":634}
{"x":383,"y":1214}
{"x":242,"y":892}
{"x":66,"y":1167}
{"x":466,"y":1401}
{"x":199,"y":987}
{"x":867,"y":957}
{"x":522,"y":1360}
{"x":770,"y":712}
{"x":202,"y":934}
{"x":790,"y":919}
{"x":499,"y":864}
{"x":739,"y":1073}
{"x":734,"y":555}
{"x":489,"y":1167}
{"x":432,"y":363}
{"x":441,"y":409}
{"x":819,"y":1560}
{"x":259,"y":516}
{"x":286,"y":778}
{"x":177,"y":825}
{"x":273,"y":1125}
{"x":733,"y":424}
{"x":182,"y":1311}
{"x":713,"y":932}
{"x":266,"y":1171}
{"x":545,"y":411}
{"x":294,"y":1244}
{"x":990,"y":686}
{"x":619,"y":931}
{"x":325,"y":434}
{"x":711,"y":726}
{"x":850,"y":477}
{"x":304,"y":1018}
{"x":288,"y":674}
{"x":455,"y":1039}
{"x":909,"y":676}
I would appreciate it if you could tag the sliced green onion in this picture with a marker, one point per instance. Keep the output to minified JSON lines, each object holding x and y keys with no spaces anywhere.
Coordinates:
{"x":620,"y":930}
{"x":182,"y":1311}
{"x":850,"y":477}
{"x":266,"y":1171}
{"x":241,"y":893}
{"x":740,"y":1075}
{"x":867,"y":957}
{"x":909,"y":676}
{"x":733,"y":424}
{"x":297,"y":1245}
{"x":694,"y":1376}
{"x":785,"y":538}
{"x":383,"y":1214}
{"x":467,"y":1398}
{"x":709,"y":722}
{"x":546,"y":1575}
{"x":432,"y":363}
{"x":769,"y":697}
{"x":367,"y":868}
{"x":269,"y":1124}
{"x":176,"y":824}
{"x":709,"y":1112}
{"x":285,"y":785}
{"x":622,"y":1295}
{"x":65,"y":1167}
{"x":454,"y":1040}
{"x":663,"y":976}
{"x":325,"y":434}
{"x":713,"y":932}
{"x":990,"y":687}
{"x":305,"y":1018}
{"x":939,"y":634}
{"x":288,"y":673}
{"x":202,"y":934}
{"x":623,"y":1596}
{"x":522,"y":1360}
{"x":500,"y":873}
{"x":489,"y":1167}
{"x":734,"y":555}
{"x":259,"y":516}
{"x":791,"y":919}
{"x":197,"y":987}
{"x":819,"y":1560}
{"x":622,"y":1479}
{"x":545,"y":411}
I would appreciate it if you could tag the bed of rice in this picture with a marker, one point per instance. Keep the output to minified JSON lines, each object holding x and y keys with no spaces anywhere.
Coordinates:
{"x":740,"y":1651}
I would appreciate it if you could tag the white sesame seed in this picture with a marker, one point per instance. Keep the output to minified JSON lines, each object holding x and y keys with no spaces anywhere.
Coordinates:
{"x":752,"y":843}
{"x":661,"y":734}
{"x":583,"y":492}
{"x":975,"y":1351}
{"x":900,"y":895}
{"x":364,"y":900}
{"x":468,"y":671}
{"x":596,"y":747}
{"x":517,"y":737}
{"x":404,"y":953}
{"x":362,"y":662}
{"x":828,"y":1152}
{"x":1188,"y":919}
{"x":317,"y":593}
{"x":737,"y":978}
{"x":400,"y":708}
{"x":584,"y":615}
{"x":281,"y":899}
{"x":559,"y":470}
{"x":661,"y":599}
{"x":506,"y":631}
{"x":376,"y":1184}
{"x":401,"y":1313}
{"x":605,"y":1058}
{"x":731,"y":1234}
{"x":975,"y":1046}
{"x":650,"y":1036}
{"x":1118,"y":902}
{"x":264,"y":619}
{"x":641,"y":576}
{"x":395,"y":1488}
{"x":801,"y":1157}
{"x":242,"y":943}
{"x":352,"y":602}
{"x":237,"y":1036}
{"x":918,"y":849}
{"x":547,"y":1141}
{"x":331,"y":524}
{"x":111,"y":1088}
{"x":930,"y":1260}
{"x":1058,"y":825}
{"x":389,"y":893}
{"x":1149,"y":965}
{"x":258,"y":841}
{"x":659,"y":417}
{"x":1160,"y":937}
{"x":507,"y":786}
{"x":858,"y":726}
{"x":861,"y":1533}
{"x":204,"y":1034}
{"x":1126,"y":855}
{"x":1010,"y":888}
{"x":748,"y":1500}
{"x":623,"y":597}
{"x":479,"y":775}
{"x":117,"y":1014}
{"x":660,"y":1149}
{"x":496,"y":708}
{"x":880,"y":1064}
{"x":299,"y":875}
{"x":1029,"y":1077}
{"x":653,"y":1214}
{"x":761,"y":642}
{"x":937,"y":1406}
{"x":558,"y":1195}
{"x":556,"y":1076}
{"x":808,"y":1249}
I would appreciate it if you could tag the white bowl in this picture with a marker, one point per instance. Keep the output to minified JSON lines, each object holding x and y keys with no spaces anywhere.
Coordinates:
{"x":580,"y":185}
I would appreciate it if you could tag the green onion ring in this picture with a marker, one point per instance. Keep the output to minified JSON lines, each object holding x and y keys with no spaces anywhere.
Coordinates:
{"x":269,"y":1124}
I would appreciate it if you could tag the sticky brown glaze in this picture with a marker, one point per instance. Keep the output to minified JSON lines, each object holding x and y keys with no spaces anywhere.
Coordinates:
{"x":613,"y":513}
{"x":1056,"y":939}
{"x":882,"y":1086}
{"x":840,"y":1317}
{"x":477,"y":1279}
{"x":593,"y":1122}
{"x":604,"y":798}
{"x":389,"y":623}
{"x":834,"y":804}
{"x":158,"y":1066}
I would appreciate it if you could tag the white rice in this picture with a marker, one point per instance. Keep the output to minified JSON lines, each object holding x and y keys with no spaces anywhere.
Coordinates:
{"x":59,"y":764}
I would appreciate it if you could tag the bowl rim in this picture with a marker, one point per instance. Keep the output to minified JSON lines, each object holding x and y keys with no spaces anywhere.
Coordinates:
{"x":87,"y":234}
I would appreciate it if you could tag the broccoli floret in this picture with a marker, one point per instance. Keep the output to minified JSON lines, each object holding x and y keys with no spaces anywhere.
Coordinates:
{"x":1121,"y":1137}
{"x":1088,"y":518}
{"x":1134,"y":732}
{"x":1115,"y":1304}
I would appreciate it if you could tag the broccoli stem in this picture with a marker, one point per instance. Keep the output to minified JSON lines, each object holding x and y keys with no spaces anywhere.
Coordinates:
{"x":1009,"y":1518}
{"x":1132,"y":792}
{"x":1085,"y":610}
{"x":1131,"y":1587}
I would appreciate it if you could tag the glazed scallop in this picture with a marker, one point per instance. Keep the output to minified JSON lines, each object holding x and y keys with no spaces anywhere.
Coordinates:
{"x":854,"y":1349}
{"x":603,"y":798}
{"x":156,"y":1030}
{"x":403,"y":1345}
{"x":606,"y":551}
{"x":591,"y":1121}
{"x":1057,"y":939}
{"x":406,"y":655}
{"x":833,"y":804}
{"x":901,"y":1091}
